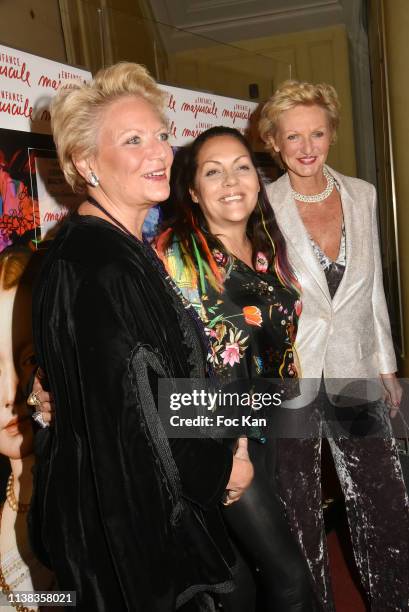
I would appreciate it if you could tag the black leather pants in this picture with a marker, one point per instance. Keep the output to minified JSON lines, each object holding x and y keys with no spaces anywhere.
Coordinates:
{"x":271,"y":566}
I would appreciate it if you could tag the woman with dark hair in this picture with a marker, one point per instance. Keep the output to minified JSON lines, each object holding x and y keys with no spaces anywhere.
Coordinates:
{"x":225,"y":252}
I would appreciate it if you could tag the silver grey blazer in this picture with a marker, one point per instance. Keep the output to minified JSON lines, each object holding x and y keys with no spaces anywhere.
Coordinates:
{"x":349,"y":336}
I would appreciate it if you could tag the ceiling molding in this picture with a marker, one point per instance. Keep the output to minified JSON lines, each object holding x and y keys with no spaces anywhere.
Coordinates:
{"x":283,"y":12}
{"x":270,"y":18}
{"x":204,"y":5}
{"x":201,"y":27}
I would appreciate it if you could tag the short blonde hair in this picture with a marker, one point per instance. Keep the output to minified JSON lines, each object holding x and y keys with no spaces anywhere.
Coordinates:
{"x":77,"y":109}
{"x":292,"y":93}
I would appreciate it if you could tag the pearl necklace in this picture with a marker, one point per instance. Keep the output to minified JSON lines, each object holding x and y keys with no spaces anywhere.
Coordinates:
{"x":319,"y":197}
{"x":11,"y":498}
{"x":5,"y":587}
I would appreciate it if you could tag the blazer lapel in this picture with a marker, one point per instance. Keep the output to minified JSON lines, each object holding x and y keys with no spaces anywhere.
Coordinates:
{"x":353,"y":237}
{"x":294,"y":231}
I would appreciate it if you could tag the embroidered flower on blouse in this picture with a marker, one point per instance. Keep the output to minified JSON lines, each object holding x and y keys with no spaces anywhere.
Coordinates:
{"x":220,"y":331}
{"x":292,"y":369}
{"x":219,"y":257}
{"x":258,"y":363}
{"x":231,"y":354}
{"x":298,"y":307}
{"x":214,"y":353}
{"x":291,"y":331}
{"x":252,"y":315}
{"x":234,"y":347}
{"x":261,"y":262}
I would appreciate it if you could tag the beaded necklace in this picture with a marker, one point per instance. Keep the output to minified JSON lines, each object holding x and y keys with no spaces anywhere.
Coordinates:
{"x":319,"y":197}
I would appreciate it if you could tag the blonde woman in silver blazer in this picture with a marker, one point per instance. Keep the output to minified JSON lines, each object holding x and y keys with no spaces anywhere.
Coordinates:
{"x":329,"y":222}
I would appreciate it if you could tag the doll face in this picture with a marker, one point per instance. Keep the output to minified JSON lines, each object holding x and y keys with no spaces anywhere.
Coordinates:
{"x":16,"y":366}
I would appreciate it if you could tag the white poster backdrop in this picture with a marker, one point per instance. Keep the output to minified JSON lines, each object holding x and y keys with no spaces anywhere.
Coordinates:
{"x":29,"y":82}
{"x":192,"y":112}
{"x":55,"y":197}
{"x":27,"y":85}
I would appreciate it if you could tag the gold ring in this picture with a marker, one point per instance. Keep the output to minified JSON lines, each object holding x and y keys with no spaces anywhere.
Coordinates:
{"x":33,"y":399}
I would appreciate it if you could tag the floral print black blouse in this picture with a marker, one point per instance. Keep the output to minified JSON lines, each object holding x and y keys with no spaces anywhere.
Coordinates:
{"x":251,"y":325}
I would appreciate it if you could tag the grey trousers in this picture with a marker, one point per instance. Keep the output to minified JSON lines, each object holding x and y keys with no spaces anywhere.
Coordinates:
{"x":368,"y":467}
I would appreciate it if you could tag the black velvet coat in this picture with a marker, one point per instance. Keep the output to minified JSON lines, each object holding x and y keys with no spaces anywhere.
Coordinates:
{"x":124,"y":516}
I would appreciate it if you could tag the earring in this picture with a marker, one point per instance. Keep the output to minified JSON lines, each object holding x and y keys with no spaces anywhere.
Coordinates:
{"x":93,"y":180}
